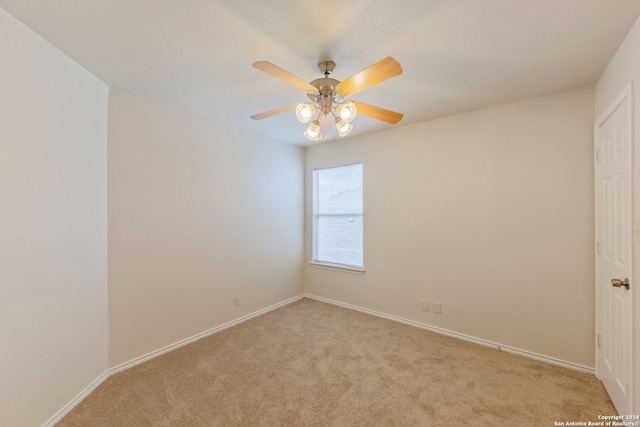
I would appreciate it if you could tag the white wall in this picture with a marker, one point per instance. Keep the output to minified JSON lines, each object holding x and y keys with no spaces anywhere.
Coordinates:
{"x":198,"y":213}
{"x":53,"y":219}
{"x":624,"y":68}
{"x":488,"y":212}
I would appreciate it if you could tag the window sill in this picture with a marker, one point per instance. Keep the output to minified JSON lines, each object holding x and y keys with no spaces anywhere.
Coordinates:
{"x":337,"y":267}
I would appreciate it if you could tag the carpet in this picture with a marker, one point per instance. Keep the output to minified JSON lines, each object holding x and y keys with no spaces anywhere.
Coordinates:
{"x":314,"y":364}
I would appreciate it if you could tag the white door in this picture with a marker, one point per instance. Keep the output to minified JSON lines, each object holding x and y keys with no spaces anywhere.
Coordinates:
{"x":614,"y":252}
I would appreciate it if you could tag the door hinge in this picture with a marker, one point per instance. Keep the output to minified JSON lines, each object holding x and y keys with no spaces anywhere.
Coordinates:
{"x":598,"y":339}
{"x":597,"y":248}
{"x":597,"y":156}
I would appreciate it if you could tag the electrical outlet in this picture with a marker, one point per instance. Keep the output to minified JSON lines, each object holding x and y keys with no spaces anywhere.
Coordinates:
{"x":437,"y":308}
{"x":425,"y":305}
{"x":237,"y":300}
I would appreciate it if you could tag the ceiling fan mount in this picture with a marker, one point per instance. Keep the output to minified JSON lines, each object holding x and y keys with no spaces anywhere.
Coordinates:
{"x":326,"y":67}
{"x":327,"y":97}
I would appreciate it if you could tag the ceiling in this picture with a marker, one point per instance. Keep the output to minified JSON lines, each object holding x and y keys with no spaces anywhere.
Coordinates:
{"x":457,"y":55}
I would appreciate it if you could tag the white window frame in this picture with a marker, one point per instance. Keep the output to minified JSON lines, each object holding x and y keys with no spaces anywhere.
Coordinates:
{"x":314,"y":233}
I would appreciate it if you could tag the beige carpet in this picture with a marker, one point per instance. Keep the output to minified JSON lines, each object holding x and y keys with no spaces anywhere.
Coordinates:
{"x":314,"y":364}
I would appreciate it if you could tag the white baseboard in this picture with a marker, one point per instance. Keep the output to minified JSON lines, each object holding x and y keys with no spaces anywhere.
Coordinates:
{"x":69,"y":406}
{"x":138,"y":360}
{"x":182,"y":343}
{"x":497,"y":346}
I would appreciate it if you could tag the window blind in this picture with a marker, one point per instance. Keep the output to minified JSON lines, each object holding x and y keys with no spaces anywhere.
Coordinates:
{"x":338,"y":215}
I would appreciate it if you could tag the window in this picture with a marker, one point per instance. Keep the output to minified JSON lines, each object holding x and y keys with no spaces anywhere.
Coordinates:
{"x":337,"y":216}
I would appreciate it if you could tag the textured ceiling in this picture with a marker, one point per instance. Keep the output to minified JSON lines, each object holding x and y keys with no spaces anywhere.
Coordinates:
{"x":457,"y":55}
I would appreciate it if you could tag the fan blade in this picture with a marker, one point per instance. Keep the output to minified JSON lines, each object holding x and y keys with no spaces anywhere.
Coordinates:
{"x":275,"y":112}
{"x":377,"y":73}
{"x":378,"y":113}
{"x":285,"y":76}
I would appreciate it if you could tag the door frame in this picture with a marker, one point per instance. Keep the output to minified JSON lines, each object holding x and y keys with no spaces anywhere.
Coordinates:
{"x":625,"y":96}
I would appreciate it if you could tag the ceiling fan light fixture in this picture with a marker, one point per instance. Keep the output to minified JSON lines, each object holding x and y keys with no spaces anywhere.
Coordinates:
{"x":313,"y":131}
{"x":346,"y":111}
{"x":343,"y":127}
{"x":305,"y":111}
{"x":327,"y":108}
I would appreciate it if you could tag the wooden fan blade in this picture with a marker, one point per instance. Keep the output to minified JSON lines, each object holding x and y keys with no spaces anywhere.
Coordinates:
{"x":285,"y":76}
{"x":274,"y":112}
{"x":378,"y":113}
{"x":377,"y":73}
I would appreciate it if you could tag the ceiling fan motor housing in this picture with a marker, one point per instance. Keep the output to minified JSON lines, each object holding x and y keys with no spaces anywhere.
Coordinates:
{"x":326,"y":93}
{"x":326,"y":87}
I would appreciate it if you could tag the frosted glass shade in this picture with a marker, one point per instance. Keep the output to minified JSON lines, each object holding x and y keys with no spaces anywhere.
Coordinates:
{"x":313,"y":131}
{"x":343,"y":127}
{"x":304,"y":111}
{"x":346,"y":111}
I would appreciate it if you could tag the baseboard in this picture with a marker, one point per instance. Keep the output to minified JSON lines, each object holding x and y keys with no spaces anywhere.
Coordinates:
{"x":69,"y":406}
{"x":138,"y":360}
{"x":497,"y":346}
{"x":182,"y":343}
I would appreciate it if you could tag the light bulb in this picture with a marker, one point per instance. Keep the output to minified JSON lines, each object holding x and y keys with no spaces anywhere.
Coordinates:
{"x":313,"y":131}
{"x":304,"y":111}
{"x":343,"y":127}
{"x":346,"y":111}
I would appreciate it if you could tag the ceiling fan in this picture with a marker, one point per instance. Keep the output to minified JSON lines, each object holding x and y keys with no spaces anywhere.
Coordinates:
{"x":327,"y":97}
